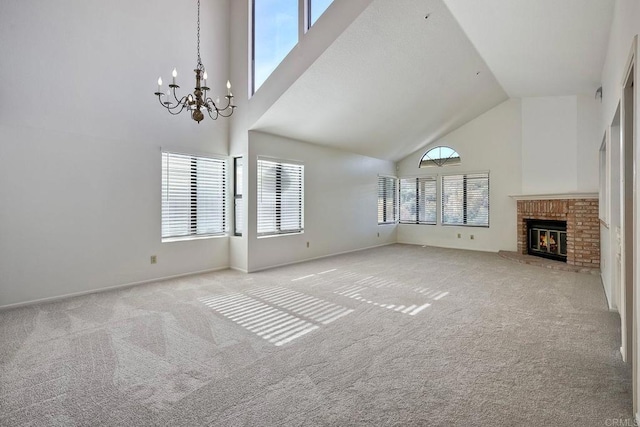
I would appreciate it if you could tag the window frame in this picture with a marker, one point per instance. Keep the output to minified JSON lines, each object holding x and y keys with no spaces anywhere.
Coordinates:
{"x":278,"y":196}
{"x":193,"y":202}
{"x":464,"y":199}
{"x":237,"y":194}
{"x":386,"y":199}
{"x":418,"y":179}
{"x":452,"y":160}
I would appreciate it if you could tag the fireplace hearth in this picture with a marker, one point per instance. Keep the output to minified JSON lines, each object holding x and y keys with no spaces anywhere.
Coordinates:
{"x":547,"y":239}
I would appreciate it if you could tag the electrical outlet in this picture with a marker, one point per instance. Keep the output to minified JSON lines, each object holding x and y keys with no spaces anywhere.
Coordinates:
{"x":472,"y":237}
{"x":307,"y":244}
{"x":459,"y":235}
{"x":154,"y":259}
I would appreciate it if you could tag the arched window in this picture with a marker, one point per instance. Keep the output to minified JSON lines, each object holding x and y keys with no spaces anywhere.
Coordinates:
{"x":440,"y":156}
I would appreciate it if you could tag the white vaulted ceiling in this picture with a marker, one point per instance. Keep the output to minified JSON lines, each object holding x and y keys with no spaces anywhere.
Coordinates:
{"x":392,"y":82}
{"x":539,"y":47}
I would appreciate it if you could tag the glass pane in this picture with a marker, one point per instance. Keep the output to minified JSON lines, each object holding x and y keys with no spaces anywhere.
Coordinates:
{"x":238,"y":176}
{"x":553,"y":242}
{"x":543,"y":240}
{"x":275,"y":33}
{"x":534,"y":239}
{"x":563,"y":243}
{"x":477,"y":203}
{"x":453,"y":200}
{"x":317,"y":8}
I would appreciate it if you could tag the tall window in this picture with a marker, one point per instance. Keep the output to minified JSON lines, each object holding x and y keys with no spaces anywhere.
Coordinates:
{"x":465,"y":200}
{"x":237,"y":196}
{"x":277,"y":24}
{"x":193,"y":196}
{"x":418,"y":200}
{"x":387,"y":200}
{"x":275,"y":33}
{"x":280,"y":197}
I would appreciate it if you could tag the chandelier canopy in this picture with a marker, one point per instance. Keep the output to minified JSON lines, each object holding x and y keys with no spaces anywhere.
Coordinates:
{"x":198,"y":102}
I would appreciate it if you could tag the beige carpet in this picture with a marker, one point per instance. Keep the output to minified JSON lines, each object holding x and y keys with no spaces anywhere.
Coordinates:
{"x":398,"y":335}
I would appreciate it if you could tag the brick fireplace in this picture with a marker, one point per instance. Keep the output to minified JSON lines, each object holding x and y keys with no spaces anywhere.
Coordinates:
{"x":583,"y":226}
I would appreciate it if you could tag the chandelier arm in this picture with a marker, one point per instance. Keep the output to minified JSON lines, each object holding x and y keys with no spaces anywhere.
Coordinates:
{"x":172,"y":110}
{"x":220,"y":113}
{"x":176,"y":96}
{"x":216,"y":115}
{"x":218,"y":108}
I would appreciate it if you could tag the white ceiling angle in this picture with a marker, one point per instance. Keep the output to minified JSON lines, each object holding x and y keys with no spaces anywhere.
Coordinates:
{"x":391,"y":83}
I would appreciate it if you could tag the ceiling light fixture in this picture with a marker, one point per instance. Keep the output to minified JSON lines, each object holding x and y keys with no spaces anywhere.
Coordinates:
{"x":196,"y":103}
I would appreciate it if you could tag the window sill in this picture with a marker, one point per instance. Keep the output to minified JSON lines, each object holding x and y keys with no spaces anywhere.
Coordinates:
{"x":187,"y":238}
{"x":296,"y":233}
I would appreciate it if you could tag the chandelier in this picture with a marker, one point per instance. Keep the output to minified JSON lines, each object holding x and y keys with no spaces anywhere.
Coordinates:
{"x":198,"y":102}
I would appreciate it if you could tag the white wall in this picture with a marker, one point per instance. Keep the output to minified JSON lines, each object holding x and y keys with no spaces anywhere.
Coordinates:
{"x":625,"y":26}
{"x":239,"y":122}
{"x":80,"y":138}
{"x":549,"y":145}
{"x":491,"y":142}
{"x":588,"y":144}
{"x":340,"y":204}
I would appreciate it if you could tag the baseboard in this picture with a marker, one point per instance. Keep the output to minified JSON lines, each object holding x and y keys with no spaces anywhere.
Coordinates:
{"x":425,"y":245}
{"x":105,"y":289}
{"x":241,"y":270}
{"x":318,"y":257}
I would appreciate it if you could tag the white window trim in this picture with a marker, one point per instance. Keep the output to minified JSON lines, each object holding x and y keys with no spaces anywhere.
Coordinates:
{"x":302,"y":213}
{"x":224,"y":234}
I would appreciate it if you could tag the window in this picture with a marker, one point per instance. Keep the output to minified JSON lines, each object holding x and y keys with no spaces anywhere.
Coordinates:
{"x":440,"y":156}
{"x":317,"y":8}
{"x":237,"y":196}
{"x":387,"y":200}
{"x":418,"y":200}
{"x":465,"y":200}
{"x":280,"y":197}
{"x":193,"y":196}
{"x":277,"y":24}
{"x":275,"y":33}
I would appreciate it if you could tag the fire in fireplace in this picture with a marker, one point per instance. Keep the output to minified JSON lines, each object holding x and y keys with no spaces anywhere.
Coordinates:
{"x":547,"y":239}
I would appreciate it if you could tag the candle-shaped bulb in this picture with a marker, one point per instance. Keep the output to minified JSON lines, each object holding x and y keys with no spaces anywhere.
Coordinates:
{"x":168,"y":100}
{"x":205,"y":75}
{"x":159,"y":83}
{"x":228,"y":88}
{"x":174,"y":74}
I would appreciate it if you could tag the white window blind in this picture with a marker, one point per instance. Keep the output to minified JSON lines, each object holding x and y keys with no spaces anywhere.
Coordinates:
{"x":418,"y":200}
{"x":465,"y":199}
{"x":280,"y":197}
{"x":193,"y":196}
{"x":387,"y":199}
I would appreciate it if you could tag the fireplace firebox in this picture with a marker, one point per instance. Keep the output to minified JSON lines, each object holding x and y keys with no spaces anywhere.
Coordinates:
{"x":547,"y":239}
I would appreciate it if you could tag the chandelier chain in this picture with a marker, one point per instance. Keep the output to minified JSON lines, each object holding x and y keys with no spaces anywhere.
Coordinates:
{"x":200,"y":66}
